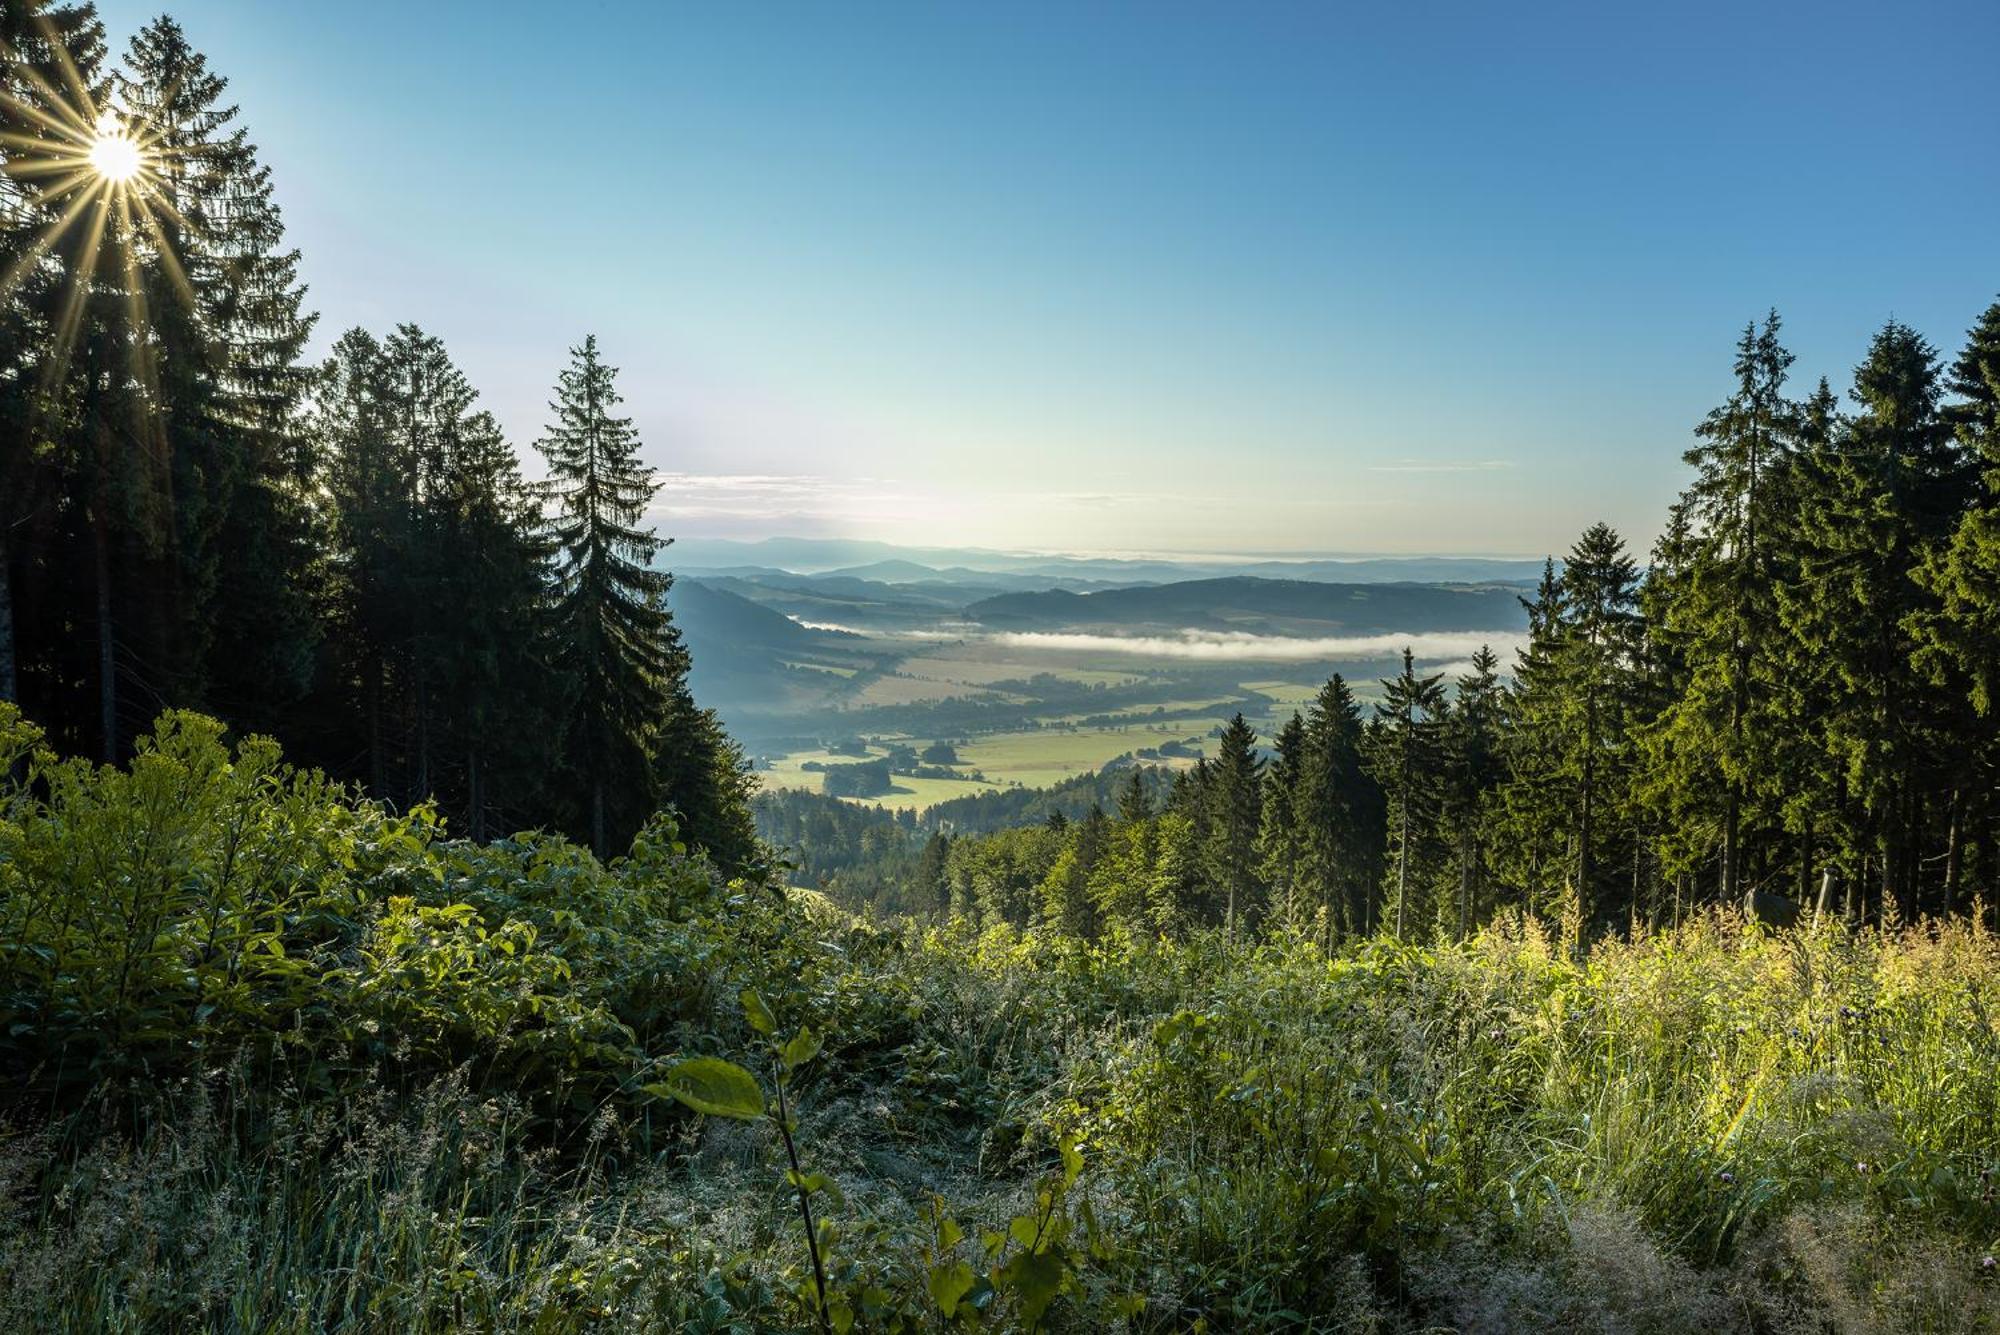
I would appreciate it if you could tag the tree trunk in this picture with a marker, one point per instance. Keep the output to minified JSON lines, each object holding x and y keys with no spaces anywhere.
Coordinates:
{"x":1732,"y":852}
{"x":1468,"y":847}
{"x":1403,"y":866}
{"x":1585,"y":831}
{"x":9,"y":688}
{"x":1403,"y":842}
{"x":107,"y":656}
{"x":376,"y":774}
{"x":475,"y":797}
{"x":597,"y":818}
{"x":423,"y":789}
{"x":1806,"y":852}
{"x":1952,"y":854}
{"x":1638,"y":849}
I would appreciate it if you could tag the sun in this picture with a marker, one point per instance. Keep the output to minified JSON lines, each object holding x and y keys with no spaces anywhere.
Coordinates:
{"x":114,"y":154}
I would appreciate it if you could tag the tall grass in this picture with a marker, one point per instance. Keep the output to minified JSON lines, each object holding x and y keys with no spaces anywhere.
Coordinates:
{"x":309,"y":1066}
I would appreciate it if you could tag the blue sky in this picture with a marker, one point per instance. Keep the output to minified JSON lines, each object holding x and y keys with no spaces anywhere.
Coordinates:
{"x":1399,"y":278}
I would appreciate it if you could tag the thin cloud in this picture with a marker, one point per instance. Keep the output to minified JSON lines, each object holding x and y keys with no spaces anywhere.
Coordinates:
{"x":1453,"y":646}
{"x":1442,"y":466}
{"x":775,"y":496}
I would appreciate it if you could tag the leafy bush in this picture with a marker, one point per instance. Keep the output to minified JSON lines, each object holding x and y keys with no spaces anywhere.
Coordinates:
{"x":278,"y":1058}
{"x":210,"y":905}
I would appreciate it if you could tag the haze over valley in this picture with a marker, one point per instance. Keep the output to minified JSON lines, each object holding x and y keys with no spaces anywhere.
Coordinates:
{"x":1030,"y":669}
{"x":1037,"y":668}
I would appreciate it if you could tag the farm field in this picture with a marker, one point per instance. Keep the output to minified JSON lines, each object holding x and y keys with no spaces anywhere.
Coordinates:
{"x":1038,"y":757}
{"x":1028,"y":758}
{"x":917,"y":794}
{"x":1287,"y":694}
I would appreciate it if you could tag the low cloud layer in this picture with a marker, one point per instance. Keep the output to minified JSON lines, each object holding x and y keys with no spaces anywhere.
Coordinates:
{"x":1233,"y":646}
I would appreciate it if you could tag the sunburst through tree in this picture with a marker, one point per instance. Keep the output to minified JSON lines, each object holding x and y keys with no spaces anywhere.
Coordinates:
{"x":87,"y":173}
{"x":150,"y":336}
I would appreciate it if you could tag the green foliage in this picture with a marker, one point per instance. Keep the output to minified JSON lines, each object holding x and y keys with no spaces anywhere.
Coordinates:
{"x":209,"y":905}
{"x":303,"y":1031}
{"x":713,"y":1086}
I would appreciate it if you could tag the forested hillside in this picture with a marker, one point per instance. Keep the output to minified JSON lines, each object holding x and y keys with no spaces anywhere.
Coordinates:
{"x":1788,"y":707}
{"x":389,"y":939}
{"x":344,"y":555}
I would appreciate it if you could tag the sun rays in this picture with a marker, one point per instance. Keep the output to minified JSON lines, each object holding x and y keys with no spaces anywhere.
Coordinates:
{"x":97,"y":186}
{"x":114,"y":154}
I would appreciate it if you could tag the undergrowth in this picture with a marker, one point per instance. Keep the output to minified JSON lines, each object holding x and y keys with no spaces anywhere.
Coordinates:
{"x":280,"y":1060}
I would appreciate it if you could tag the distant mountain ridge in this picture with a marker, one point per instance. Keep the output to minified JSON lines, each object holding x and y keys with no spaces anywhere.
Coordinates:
{"x":890,"y":564}
{"x":1260,"y":605}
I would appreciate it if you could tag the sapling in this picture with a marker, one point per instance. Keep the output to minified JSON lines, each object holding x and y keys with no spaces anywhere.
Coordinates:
{"x":721,"y":1088}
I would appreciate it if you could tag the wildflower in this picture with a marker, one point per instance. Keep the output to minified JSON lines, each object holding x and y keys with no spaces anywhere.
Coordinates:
{"x":1726,"y":1178}
{"x":1863,"y":1168}
{"x":1988,"y":1264}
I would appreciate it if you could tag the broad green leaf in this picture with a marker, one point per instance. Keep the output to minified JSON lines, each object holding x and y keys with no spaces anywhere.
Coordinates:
{"x":1037,"y":1277}
{"x":805,"y":1045}
{"x":713,"y":1086}
{"x":949,"y":1284}
{"x":1072,"y":1163}
{"x":757,"y":1013}
{"x":949,"y":1233}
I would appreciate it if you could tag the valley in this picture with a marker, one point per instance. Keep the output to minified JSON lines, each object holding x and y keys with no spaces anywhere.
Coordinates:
{"x":1035,"y":670}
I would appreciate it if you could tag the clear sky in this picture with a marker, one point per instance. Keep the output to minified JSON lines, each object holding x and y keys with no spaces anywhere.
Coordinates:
{"x":1449,"y":278}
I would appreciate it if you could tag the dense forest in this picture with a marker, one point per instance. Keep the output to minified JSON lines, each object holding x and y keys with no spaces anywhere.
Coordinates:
{"x":1788,"y":707}
{"x":386,"y":943}
{"x":343,"y":555}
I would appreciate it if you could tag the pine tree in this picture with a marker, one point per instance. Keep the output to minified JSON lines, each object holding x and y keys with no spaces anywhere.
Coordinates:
{"x":1472,"y":758}
{"x":1958,"y":633}
{"x":1871,"y":512}
{"x":1406,"y":767}
{"x":618,"y":650}
{"x":1568,"y":792}
{"x":227,"y":327}
{"x":1339,"y":814}
{"x":1134,"y":802}
{"x":1726,"y":617}
{"x":1235,"y":802}
{"x":50,"y":59}
{"x":1278,"y":842}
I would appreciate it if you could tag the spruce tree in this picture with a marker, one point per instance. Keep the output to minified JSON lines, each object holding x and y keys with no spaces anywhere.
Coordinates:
{"x":1570,"y":756}
{"x":1134,"y":802}
{"x":1235,"y":816}
{"x":1278,"y":842}
{"x":226,"y":329}
{"x":933,"y":874}
{"x":1472,"y":772}
{"x":1726,"y":616}
{"x":1871,"y":513}
{"x":50,"y":60}
{"x":1958,"y":633}
{"x":1406,"y":766}
{"x":1339,"y":814}
{"x":618,"y":651}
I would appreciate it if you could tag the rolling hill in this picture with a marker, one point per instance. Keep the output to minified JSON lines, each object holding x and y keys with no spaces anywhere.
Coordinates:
{"x":1265,"y":606}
